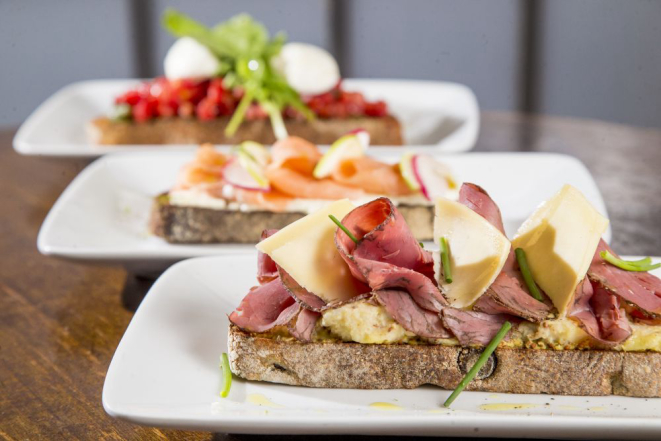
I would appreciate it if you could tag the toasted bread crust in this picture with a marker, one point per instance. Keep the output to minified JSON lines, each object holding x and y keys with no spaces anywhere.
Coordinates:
{"x":384,"y":131}
{"x":178,"y":224}
{"x":362,"y":366}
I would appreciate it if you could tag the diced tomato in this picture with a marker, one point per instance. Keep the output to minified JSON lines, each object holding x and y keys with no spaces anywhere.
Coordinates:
{"x":209,"y":99}
{"x":145,"y":109}
{"x":378,"y":108}
{"x":206,"y":109}
{"x":216,"y":91}
{"x":131,"y":98}
{"x":186,"y":110}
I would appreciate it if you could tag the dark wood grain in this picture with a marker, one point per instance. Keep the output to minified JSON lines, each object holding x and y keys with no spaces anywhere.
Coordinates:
{"x":61,"y":321}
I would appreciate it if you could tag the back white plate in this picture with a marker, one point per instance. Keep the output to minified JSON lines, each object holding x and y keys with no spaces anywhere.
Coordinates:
{"x":444,"y":116}
{"x":103,"y":214}
{"x":165,"y":373}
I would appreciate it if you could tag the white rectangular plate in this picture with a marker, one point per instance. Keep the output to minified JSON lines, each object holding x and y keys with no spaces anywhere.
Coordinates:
{"x":441,"y":115}
{"x":103,"y":213}
{"x":165,"y":373}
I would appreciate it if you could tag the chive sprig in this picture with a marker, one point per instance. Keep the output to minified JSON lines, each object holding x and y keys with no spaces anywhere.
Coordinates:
{"x":641,"y":265}
{"x":227,"y":375}
{"x":445,"y":259}
{"x":343,"y":228}
{"x":493,"y":344}
{"x":527,"y":275}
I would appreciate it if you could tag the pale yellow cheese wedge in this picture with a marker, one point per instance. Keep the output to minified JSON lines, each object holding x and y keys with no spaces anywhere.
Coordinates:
{"x":306,"y":250}
{"x":478,"y":251}
{"x":560,"y":239}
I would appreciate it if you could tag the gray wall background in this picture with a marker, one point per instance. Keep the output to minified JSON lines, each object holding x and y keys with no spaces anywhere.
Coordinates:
{"x":584,"y":58}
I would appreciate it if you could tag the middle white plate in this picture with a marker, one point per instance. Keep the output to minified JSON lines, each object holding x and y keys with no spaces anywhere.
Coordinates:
{"x":102,"y":216}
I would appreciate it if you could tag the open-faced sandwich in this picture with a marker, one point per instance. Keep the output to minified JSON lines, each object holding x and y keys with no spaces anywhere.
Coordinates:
{"x":232,"y":83}
{"x":356,"y":302}
{"x":221,"y":198}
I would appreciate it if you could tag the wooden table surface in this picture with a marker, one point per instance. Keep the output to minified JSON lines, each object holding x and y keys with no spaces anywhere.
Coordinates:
{"x":61,"y":321}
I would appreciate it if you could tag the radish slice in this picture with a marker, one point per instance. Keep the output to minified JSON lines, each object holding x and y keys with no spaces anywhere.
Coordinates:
{"x":348,"y":146}
{"x":363,"y":136}
{"x":245,"y":174}
{"x":406,"y":170}
{"x":434,"y":178}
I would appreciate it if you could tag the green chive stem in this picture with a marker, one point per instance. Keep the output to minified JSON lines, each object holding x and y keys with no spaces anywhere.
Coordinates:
{"x":527,"y":275}
{"x":239,"y":113}
{"x":641,"y":265}
{"x":445,"y":260}
{"x":493,"y":344}
{"x":227,"y":375}
{"x":343,"y":228}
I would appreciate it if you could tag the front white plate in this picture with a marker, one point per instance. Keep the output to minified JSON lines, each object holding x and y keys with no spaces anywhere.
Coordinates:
{"x":103,"y":213}
{"x":165,"y":373}
{"x":443,"y":116}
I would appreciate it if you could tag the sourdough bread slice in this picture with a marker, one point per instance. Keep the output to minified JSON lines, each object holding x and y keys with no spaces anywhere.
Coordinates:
{"x":383,"y":131}
{"x":377,"y":366}
{"x":181,"y":224}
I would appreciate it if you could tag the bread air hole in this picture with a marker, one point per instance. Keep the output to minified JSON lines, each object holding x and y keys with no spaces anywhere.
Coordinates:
{"x":468,"y":357}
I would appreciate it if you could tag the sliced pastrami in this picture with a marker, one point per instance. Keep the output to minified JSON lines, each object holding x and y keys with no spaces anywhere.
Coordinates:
{"x":383,"y":235}
{"x":472,"y":327}
{"x":390,"y":260}
{"x":637,"y":288}
{"x":599,"y":314}
{"x":410,"y":315}
{"x":304,"y":297}
{"x":477,"y":199}
{"x":507,"y":295}
{"x":265,"y":307}
{"x":302,"y":327}
{"x":266,"y":268}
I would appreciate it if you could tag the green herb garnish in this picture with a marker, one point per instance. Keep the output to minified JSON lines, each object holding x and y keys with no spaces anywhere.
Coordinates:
{"x":445,"y":260}
{"x":121,"y":112}
{"x":527,"y":275}
{"x":422,"y":245}
{"x":641,"y":265}
{"x":493,"y":344}
{"x":343,"y":228}
{"x":227,"y":375}
{"x":245,"y":51}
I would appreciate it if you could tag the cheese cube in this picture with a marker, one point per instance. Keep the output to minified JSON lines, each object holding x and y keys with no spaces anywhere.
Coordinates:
{"x":306,"y":250}
{"x":478,"y":251}
{"x":560,"y":239}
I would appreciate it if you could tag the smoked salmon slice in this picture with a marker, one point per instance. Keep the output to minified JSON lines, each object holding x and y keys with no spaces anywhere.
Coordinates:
{"x":371,"y":175}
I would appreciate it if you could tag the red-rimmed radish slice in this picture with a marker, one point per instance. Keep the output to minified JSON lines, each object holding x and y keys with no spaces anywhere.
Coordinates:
{"x":245,"y":174}
{"x":406,"y":170}
{"x":363,"y":136}
{"x":348,"y":146}
{"x":434,"y":178}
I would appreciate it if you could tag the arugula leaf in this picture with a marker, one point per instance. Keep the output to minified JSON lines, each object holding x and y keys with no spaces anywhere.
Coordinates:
{"x":181,"y":25}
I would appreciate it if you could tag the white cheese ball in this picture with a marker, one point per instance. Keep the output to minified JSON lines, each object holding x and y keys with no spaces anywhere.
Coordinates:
{"x":309,"y":69}
{"x":189,"y":59}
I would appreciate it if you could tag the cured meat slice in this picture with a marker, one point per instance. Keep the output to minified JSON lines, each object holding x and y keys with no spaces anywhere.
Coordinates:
{"x":637,"y":288}
{"x":599,"y":314}
{"x":303,"y":326}
{"x":266,"y":267}
{"x":410,"y":315}
{"x":387,"y":255}
{"x":265,"y":307}
{"x":477,"y":199}
{"x":473,"y":327}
